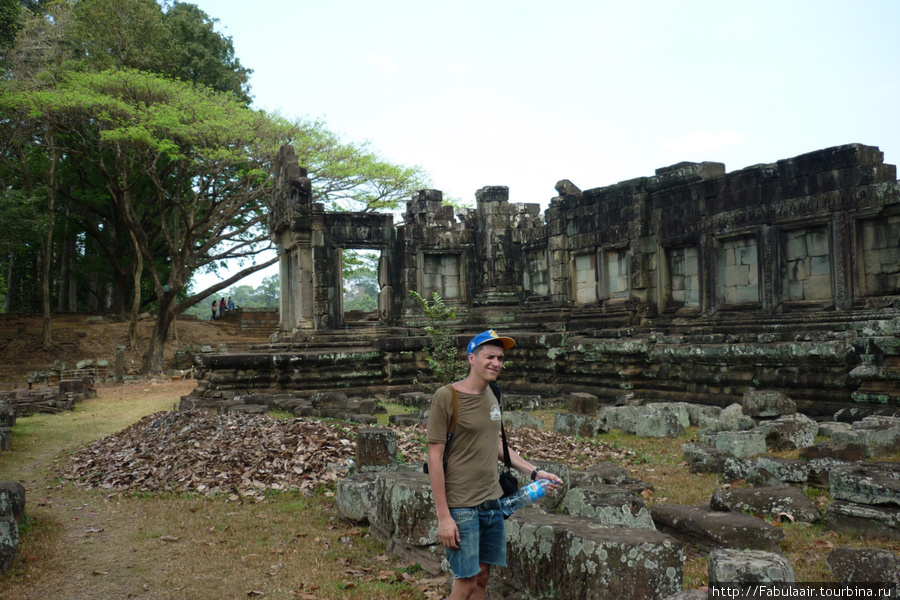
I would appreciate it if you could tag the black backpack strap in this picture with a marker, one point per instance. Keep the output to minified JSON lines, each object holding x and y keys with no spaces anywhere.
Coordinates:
{"x":495,"y":387}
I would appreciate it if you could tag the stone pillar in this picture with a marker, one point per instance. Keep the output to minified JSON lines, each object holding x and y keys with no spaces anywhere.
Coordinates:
{"x":708,"y":275}
{"x":284,"y":291}
{"x":493,"y":247}
{"x":842,"y":260}
{"x":376,"y":449}
{"x":120,"y":364}
{"x":769,"y":269}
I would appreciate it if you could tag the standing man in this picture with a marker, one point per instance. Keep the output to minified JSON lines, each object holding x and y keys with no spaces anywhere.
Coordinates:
{"x":470,"y":524}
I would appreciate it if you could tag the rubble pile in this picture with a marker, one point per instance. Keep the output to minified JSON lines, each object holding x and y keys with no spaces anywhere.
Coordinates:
{"x":242,"y":456}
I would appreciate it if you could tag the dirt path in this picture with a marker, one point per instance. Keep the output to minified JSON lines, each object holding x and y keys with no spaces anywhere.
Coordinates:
{"x":99,"y":545}
{"x":79,"y":544}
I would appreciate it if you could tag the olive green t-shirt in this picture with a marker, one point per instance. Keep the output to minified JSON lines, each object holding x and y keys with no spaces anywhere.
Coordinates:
{"x":471,"y":476}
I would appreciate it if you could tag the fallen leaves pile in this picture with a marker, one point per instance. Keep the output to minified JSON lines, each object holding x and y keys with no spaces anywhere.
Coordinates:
{"x":240,"y":456}
{"x":233,"y":455}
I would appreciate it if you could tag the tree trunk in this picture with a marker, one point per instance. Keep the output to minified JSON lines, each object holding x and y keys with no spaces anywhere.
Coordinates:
{"x":46,"y":258}
{"x":7,"y":303}
{"x":118,"y":297}
{"x":47,"y":246}
{"x":136,"y":304}
{"x":153,"y":360}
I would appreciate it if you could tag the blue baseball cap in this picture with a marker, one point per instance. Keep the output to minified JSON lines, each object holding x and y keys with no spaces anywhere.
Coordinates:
{"x":488,"y":336}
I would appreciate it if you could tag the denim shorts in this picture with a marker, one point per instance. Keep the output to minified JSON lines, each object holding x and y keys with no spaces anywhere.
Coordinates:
{"x":482,"y":539}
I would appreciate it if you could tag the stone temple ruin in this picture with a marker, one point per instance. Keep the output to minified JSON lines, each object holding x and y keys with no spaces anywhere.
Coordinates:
{"x":684,"y":298}
{"x":691,"y":285}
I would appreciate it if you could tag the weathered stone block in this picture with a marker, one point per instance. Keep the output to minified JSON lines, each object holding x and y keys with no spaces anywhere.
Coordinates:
{"x":376,"y":448}
{"x":772,"y":500}
{"x":789,"y":432}
{"x":863,"y":565}
{"x":404,"y":420}
{"x":608,"y":504}
{"x":782,"y":469}
{"x":625,"y":418}
{"x":355,"y":497}
{"x":12,"y":500}
{"x":741,"y":444}
{"x":742,"y":469}
{"x":866,"y":484}
{"x":748,"y":566}
{"x":71,"y":385}
{"x":819,"y":470}
{"x":678,"y":410}
{"x":576,"y":425}
{"x":844,"y":451}
{"x":732,"y":418}
{"x":863,"y":519}
{"x":9,"y":543}
{"x":405,"y":518}
{"x":880,"y":434}
{"x":767,"y":403}
{"x":703,"y":459}
{"x":700,"y":413}
{"x":521,"y":420}
{"x":599,"y":474}
{"x":707,"y":529}
{"x":5,"y":439}
{"x":559,"y":556}
{"x":584,"y":404}
{"x":415,"y":399}
{"x":656,"y":425}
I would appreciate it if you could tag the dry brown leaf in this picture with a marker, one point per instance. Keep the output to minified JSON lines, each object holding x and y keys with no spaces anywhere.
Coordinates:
{"x":822,"y":545}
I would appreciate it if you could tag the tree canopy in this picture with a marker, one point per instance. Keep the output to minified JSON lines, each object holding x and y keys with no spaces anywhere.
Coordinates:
{"x":128,"y":145}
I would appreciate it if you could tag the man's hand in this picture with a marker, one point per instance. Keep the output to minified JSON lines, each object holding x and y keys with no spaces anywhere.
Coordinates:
{"x":448,"y":532}
{"x":555,"y":481}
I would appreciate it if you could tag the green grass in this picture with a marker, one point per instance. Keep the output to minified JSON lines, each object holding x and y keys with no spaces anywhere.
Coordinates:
{"x":393,"y":409}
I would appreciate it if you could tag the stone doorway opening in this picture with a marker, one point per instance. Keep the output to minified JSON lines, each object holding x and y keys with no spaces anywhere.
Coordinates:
{"x":360,"y":285}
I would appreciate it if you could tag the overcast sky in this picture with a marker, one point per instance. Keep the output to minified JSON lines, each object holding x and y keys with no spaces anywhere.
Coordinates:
{"x":525,"y":93}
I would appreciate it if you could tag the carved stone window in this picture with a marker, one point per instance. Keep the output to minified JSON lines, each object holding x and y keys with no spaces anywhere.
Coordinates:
{"x":616,"y":274}
{"x":684,"y":277}
{"x":441,"y":274}
{"x":537,"y":273}
{"x":737,"y":271}
{"x":881,"y":255}
{"x":586,"y":278}
{"x":806,"y":264}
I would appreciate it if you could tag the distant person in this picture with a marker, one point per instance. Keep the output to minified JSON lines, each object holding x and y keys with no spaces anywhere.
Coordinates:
{"x":222,"y":308}
{"x":214,"y":309}
{"x":230,"y":303}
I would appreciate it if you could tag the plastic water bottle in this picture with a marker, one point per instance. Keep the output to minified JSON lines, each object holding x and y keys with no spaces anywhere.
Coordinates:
{"x":524,"y":496}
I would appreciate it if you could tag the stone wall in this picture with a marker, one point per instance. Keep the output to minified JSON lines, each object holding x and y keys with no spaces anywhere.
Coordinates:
{"x":692,"y":284}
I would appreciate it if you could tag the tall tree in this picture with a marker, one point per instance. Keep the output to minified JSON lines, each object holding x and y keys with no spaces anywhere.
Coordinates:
{"x":206,"y":157}
{"x":352,"y":177}
{"x":198,"y":54}
{"x":118,"y":34}
{"x":12,"y":18}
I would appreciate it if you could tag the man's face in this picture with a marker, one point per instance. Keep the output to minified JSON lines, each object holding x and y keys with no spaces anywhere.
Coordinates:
{"x":487,"y":361}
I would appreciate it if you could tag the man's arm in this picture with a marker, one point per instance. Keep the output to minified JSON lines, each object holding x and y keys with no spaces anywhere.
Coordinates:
{"x":523,"y":466}
{"x":447,"y":530}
